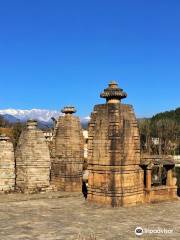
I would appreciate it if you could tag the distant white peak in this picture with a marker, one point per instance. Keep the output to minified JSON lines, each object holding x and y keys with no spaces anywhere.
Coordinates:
{"x":88,"y":118}
{"x":38,"y":114}
{"x":43,"y":115}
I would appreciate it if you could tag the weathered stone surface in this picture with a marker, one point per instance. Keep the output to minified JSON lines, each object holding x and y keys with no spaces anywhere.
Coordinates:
{"x":160,"y":182}
{"x":115,"y":176}
{"x":7,"y":165}
{"x":68,"y":154}
{"x":32,"y":160}
{"x":57,"y":216}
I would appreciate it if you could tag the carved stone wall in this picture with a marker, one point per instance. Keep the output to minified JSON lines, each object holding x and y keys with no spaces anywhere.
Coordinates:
{"x":115,"y":178}
{"x":7,"y":165}
{"x":32,"y":160}
{"x":68,"y":153}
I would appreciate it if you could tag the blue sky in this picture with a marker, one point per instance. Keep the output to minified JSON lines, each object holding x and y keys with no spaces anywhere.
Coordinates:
{"x":55,"y":53}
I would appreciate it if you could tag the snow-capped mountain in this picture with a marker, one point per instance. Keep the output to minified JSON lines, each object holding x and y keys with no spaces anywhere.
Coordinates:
{"x":42,"y":115}
{"x":85,"y":121}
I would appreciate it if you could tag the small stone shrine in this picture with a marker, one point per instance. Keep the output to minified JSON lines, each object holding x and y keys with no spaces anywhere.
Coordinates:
{"x":32,"y":160}
{"x":115,"y":175}
{"x":159,"y":177}
{"x":7,"y":165}
{"x":68,"y":154}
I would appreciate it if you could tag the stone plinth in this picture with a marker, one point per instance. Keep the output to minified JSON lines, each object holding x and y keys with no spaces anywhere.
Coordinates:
{"x":32,"y":160}
{"x":67,"y":162}
{"x":7,"y":165}
{"x":115,"y":177}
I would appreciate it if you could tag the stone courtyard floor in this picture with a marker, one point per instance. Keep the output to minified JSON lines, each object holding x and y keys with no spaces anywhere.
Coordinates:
{"x":68,"y":216}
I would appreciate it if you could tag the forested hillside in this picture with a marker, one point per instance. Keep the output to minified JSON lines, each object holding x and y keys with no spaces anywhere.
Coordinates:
{"x":12,"y":130}
{"x":170,"y":115}
{"x":161,"y":133}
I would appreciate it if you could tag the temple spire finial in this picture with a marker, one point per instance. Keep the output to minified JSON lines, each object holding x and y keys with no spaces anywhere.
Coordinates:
{"x":113,"y":93}
{"x":3,"y":137}
{"x":68,"y":110}
{"x":32,"y":124}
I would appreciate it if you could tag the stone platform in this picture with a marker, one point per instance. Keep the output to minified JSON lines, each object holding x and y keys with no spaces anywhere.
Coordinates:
{"x":67,"y":216}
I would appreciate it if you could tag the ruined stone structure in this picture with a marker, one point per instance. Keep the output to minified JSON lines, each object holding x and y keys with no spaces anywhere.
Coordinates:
{"x":115,"y":178}
{"x":68,"y":153}
{"x":177,"y":170}
{"x":7,"y":165}
{"x":107,"y":159}
{"x":159,"y":179}
{"x":32,"y":160}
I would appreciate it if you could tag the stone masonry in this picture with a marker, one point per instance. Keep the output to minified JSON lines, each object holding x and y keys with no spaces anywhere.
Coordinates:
{"x":32,"y":160}
{"x":68,"y":154}
{"x":116,"y":178}
{"x":7,"y":165}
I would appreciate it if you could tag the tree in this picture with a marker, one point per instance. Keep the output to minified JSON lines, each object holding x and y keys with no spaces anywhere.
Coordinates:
{"x":165,"y":127}
{"x":17,"y":129}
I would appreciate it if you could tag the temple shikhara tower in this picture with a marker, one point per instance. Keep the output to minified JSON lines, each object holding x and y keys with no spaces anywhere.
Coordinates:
{"x":7,"y":165}
{"x":32,"y":160}
{"x":68,"y":153}
{"x":116,"y":177}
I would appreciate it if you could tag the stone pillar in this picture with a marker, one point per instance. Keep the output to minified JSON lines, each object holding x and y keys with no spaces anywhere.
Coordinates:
{"x":68,"y":153}
{"x":170,"y":178}
{"x":115,"y":177}
{"x":148,"y":178}
{"x":32,"y":160}
{"x":7,"y":165}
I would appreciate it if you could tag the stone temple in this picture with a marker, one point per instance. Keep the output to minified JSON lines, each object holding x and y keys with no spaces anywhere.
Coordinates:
{"x":68,"y":153}
{"x":7,"y":165}
{"x":32,"y":160}
{"x":115,"y":177}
